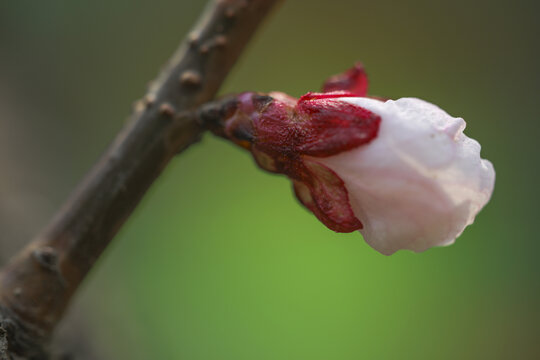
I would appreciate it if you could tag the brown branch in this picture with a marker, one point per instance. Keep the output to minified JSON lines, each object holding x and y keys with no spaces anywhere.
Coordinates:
{"x":36,"y":286}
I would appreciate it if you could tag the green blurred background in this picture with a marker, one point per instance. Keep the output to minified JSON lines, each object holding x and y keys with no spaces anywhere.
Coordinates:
{"x":219,"y":261}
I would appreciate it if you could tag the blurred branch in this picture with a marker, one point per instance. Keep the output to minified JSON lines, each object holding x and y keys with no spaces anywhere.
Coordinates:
{"x":37,"y":285}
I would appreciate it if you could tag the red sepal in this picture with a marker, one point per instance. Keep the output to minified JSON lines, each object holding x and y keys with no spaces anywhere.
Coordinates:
{"x":325,"y":194}
{"x":318,"y":125}
{"x":333,"y":126}
{"x":354,"y":80}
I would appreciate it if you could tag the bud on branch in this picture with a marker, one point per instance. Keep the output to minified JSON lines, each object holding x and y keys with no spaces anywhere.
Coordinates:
{"x":401,"y":172}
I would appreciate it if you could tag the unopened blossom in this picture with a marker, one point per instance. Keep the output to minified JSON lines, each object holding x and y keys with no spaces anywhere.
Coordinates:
{"x":401,"y":172}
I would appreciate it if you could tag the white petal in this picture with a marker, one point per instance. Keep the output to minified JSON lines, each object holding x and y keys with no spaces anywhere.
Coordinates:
{"x":420,"y":182}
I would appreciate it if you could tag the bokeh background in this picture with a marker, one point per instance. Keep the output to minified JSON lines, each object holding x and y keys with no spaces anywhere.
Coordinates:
{"x":219,"y":261}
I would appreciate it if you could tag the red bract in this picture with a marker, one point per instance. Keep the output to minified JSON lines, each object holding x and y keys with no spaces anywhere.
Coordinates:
{"x":334,"y":126}
{"x":284,"y":133}
{"x":354,"y":80}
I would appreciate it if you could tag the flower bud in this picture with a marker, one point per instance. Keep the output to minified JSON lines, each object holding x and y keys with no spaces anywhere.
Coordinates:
{"x":401,"y":172}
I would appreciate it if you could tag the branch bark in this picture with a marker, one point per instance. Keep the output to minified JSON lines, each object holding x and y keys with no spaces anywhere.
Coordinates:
{"x":37,"y":285}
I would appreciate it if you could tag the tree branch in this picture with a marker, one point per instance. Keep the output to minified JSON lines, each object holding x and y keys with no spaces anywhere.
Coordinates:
{"x":36,"y":286}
